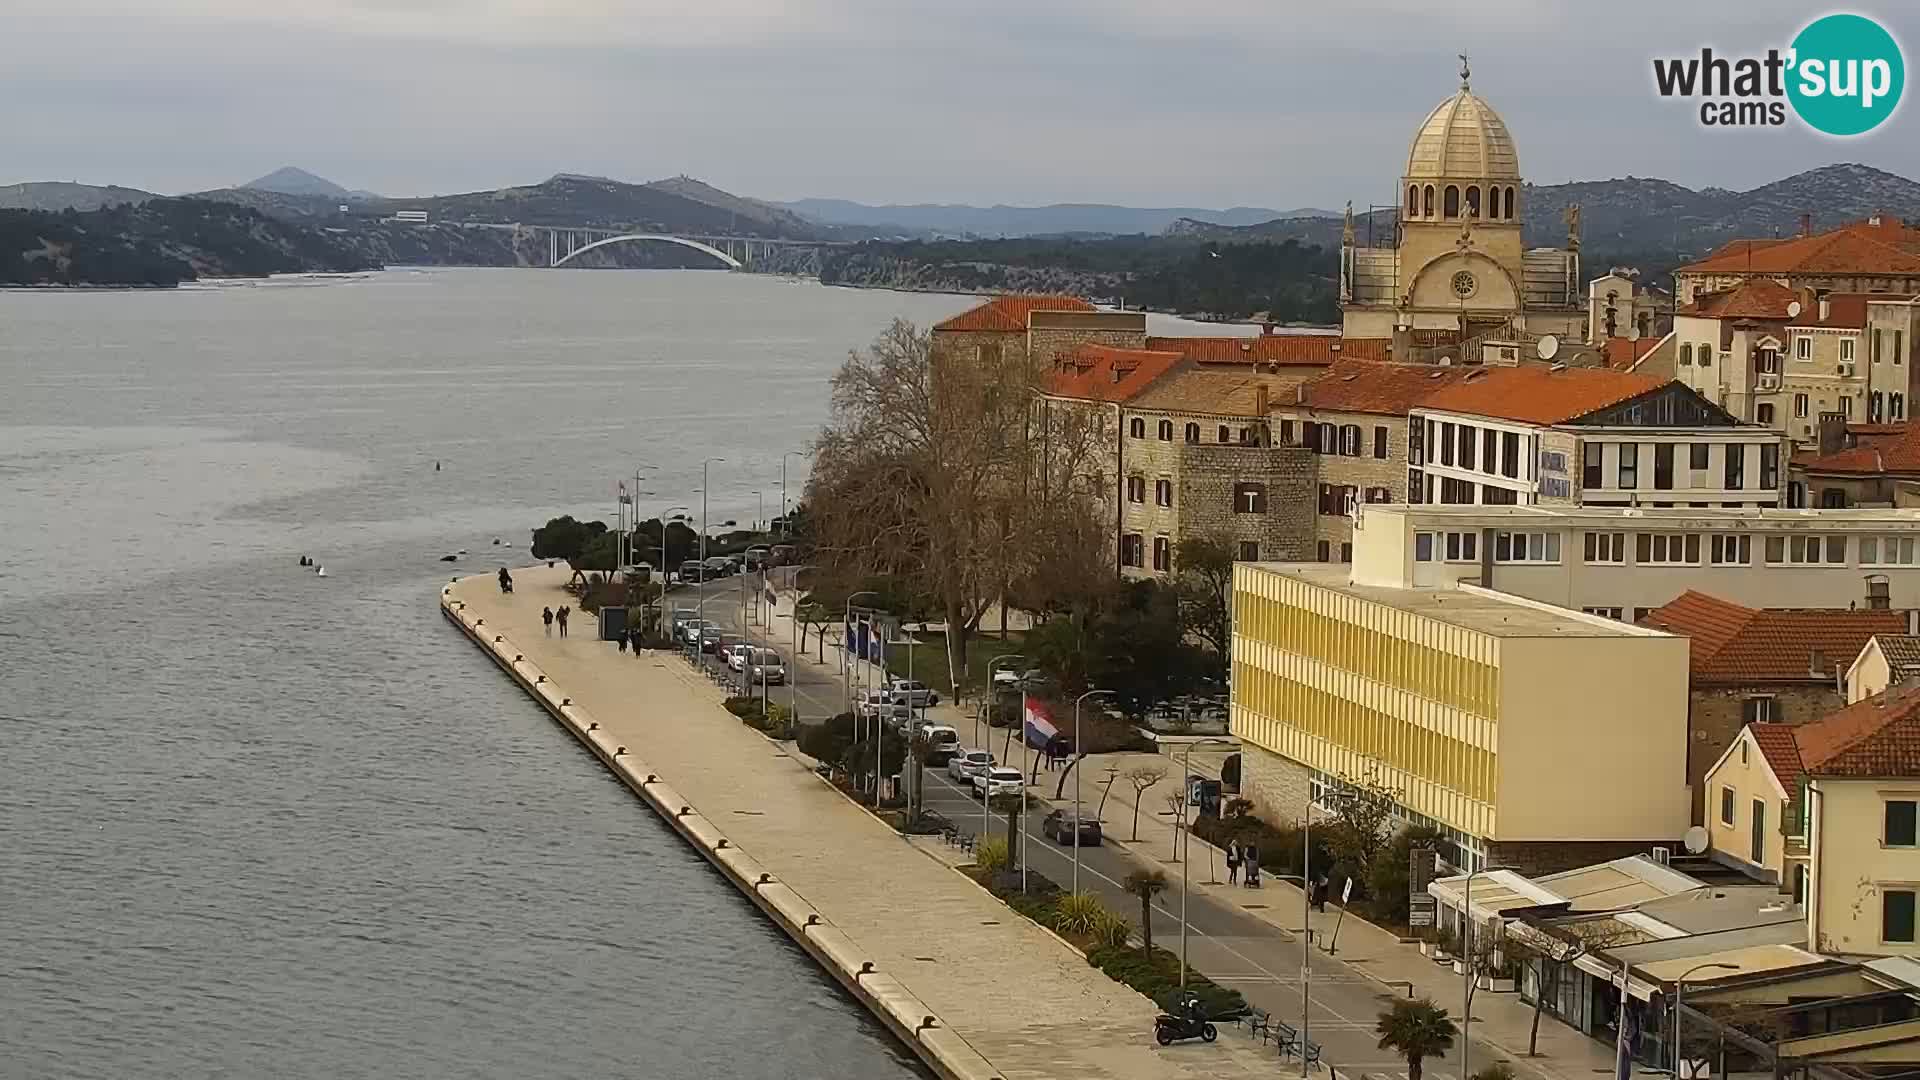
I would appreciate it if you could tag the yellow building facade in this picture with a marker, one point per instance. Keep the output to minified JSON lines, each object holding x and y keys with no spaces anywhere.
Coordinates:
{"x":1525,"y":732}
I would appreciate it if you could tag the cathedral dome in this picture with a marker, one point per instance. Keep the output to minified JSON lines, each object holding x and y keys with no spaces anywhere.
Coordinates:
{"x":1463,"y":138}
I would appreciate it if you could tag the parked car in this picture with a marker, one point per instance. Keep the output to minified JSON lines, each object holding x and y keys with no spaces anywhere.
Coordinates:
{"x":942,"y":743}
{"x":735,"y":653}
{"x":999,"y":781}
{"x":691,"y":630}
{"x":765,"y":667}
{"x":758,"y":558}
{"x":966,"y":764}
{"x":690,"y":572}
{"x":711,"y":638}
{"x":718,"y":566}
{"x":1059,"y":827}
{"x":881,"y":704}
{"x":909,"y":692}
{"x":1010,"y":678}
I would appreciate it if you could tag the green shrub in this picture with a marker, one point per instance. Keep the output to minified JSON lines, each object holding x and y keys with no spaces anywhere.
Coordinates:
{"x":1078,"y":913}
{"x":1158,"y":977}
{"x":1111,"y":931}
{"x":1499,"y":1070}
{"x":742,"y":707}
{"x":991,"y":855}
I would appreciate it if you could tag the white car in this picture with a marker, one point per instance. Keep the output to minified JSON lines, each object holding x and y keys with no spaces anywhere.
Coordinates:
{"x":942,"y":743}
{"x":882,"y":704}
{"x":998,"y":781}
{"x":909,"y":692}
{"x":967,"y":764}
{"x":736,"y":654}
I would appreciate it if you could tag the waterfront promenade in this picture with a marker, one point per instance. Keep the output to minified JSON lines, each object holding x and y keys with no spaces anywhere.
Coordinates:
{"x":1011,"y":994}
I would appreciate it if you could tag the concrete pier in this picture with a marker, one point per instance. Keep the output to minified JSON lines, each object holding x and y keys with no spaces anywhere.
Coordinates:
{"x":976,"y":990}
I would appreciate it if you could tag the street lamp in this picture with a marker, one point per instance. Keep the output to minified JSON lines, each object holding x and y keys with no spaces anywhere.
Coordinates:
{"x":1679,"y":991}
{"x":987,"y":788}
{"x":704,"y":485}
{"x":1466,"y":957}
{"x":1080,"y":755}
{"x":1186,"y":840}
{"x":786,"y":526}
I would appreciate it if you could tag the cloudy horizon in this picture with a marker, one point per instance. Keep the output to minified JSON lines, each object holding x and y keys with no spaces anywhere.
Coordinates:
{"x":879,"y":101}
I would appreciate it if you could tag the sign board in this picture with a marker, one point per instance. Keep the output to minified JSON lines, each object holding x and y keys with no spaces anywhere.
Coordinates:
{"x":1346,"y":892}
{"x":1421,"y":912}
{"x":1421,"y":906}
{"x":1204,"y":793}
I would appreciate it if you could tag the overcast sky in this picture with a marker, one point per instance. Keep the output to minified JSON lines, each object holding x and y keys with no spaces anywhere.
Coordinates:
{"x":1276,"y":103}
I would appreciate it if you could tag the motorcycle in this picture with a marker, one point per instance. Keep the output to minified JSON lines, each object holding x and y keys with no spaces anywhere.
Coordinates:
{"x":1167,"y":1028}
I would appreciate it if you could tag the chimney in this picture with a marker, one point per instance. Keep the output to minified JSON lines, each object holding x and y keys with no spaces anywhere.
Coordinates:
{"x":1874,"y":219}
{"x":1261,"y":400}
{"x":1832,"y":433}
{"x":1826,"y":306}
{"x":1806,"y":224}
{"x":1266,"y":329}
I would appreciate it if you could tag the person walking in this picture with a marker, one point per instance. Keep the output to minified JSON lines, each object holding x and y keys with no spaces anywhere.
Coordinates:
{"x":620,"y":640}
{"x":634,"y":637}
{"x":546,"y":616}
{"x":561,"y":617}
{"x":1233,"y":862}
{"x":1251,"y":857}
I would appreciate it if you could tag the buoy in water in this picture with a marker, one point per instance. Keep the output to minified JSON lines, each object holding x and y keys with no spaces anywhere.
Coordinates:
{"x":322,"y":571}
{"x":448,"y":558}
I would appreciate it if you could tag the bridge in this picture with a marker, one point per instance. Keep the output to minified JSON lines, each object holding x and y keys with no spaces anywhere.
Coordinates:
{"x":735,"y":252}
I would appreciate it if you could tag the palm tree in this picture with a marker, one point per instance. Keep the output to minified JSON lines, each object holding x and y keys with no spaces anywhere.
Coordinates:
{"x":1147,"y":884}
{"x":1416,"y":1030}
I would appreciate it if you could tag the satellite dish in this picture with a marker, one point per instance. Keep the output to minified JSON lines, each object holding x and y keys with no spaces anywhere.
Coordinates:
{"x":1694,"y":840}
{"x":1793,"y":309}
{"x":1547,"y":347}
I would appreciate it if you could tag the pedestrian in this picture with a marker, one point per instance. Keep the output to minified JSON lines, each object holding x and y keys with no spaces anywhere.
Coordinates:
{"x":1251,"y":857}
{"x":1320,"y":894}
{"x":634,"y":638}
{"x":621,"y":641}
{"x":561,"y":617}
{"x":1233,"y":862}
{"x":546,"y":616}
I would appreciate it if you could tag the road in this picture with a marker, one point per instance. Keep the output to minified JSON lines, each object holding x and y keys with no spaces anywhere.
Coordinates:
{"x":1231,"y":947}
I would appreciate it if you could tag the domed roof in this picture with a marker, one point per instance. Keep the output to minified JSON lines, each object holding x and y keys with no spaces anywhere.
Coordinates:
{"x":1463,"y":138}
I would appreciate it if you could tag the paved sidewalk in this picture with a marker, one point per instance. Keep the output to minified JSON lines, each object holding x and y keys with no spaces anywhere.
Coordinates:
{"x":1022,"y":998}
{"x":1500,"y":1019}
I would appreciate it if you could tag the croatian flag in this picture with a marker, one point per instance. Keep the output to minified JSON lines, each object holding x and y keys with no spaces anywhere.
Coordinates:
{"x":1039,"y":730}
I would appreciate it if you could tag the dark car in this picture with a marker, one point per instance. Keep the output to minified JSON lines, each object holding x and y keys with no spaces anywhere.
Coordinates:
{"x":1059,"y":828}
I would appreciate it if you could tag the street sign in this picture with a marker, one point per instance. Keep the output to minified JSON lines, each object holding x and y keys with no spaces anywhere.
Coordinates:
{"x":1420,"y":913}
{"x":1346,"y":892}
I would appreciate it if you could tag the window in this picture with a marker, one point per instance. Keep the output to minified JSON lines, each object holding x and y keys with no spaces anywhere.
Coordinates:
{"x":1732,"y":549}
{"x":1590,"y":477}
{"x":1803,"y":347}
{"x":1329,"y":439}
{"x":1846,"y":350}
{"x":1489,"y":450}
{"x":1416,"y":486}
{"x":1249,"y":551}
{"x":1896,"y":915}
{"x":1325,"y":551}
{"x":1757,"y":710}
{"x":1629,"y":466}
{"x":1286,"y":432}
{"x":1604,"y":612}
{"x":1326,"y":499}
{"x":1493,"y":496}
{"x":1446,"y":444}
{"x":1726,"y":806}
{"x":1663,"y":467}
{"x":1896,"y":407}
{"x":1757,"y":840}
{"x":1450,"y":202}
{"x":1310,"y":435}
{"x":1846,"y":406}
{"x":1509,"y":455}
{"x":1249,"y":498}
{"x":1736,"y":467}
{"x":1350,"y":440}
{"x":1379,"y":495}
{"x":1162,"y":553}
{"x":1130,"y":549}
{"x":1767,"y":362}
{"x":1463,"y":546}
{"x":1246,"y":437}
{"x":1796,"y":494}
{"x":1705,"y":356}
{"x":1226,"y":435}
{"x":1606,"y":547}
{"x":1763,"y":412}
{"x":1466,"y":447}
{"x":1697,"y":455}
{"x":1473,"y":200}
{"x":1686,"y":354}
{"x":1456,"y":492}
{"x":1426,"y":201}
{"x":1875,"y":403}
{"x":1163,"y":493}
{"x":1423,"y":547}
{"x":1800,"y":405}
{"x":1346,"y":552}
{"x":1515,"y":547}
{"x":1800,"y":883}
{"x":1136,"y":489}
{"x":1166,"y":431}
{"x":1380,"y":443}
{"x":1887,"y":551}
{"x":1413,"y":200}
{"x":1833,"y":498}
{"x":1416,"y":443}
{"x":1770,"y":466}
{"x":1806,"y":550}
{"x":1666,"y":549}
{"x":1900,"y":823}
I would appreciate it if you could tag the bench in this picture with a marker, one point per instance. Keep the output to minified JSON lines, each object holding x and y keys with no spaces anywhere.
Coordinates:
{"x":1257,"y":1021}
{"x":1286,"y":1039}
{"x":1312,"y":1054}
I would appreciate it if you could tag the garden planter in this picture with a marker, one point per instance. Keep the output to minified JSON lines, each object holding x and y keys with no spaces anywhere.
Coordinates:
{"x":1459,"y":967}
{"x":1504,"y":985}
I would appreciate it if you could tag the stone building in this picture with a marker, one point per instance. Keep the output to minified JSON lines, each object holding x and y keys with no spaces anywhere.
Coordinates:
{"x":1858,"y":465}
{"x":1878,"y":255}
{"x":1459,"y":264}
{"x":1762,"y":665}
{"x":1620,"y":306}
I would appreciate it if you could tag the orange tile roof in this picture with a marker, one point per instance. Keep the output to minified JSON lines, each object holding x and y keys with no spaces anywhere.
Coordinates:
{"x":1874,"y":737}
{"x":1728,"y":643}
{"x":1757,"y":298}
{"x":1008,"y":313}
{"x":1782,"y":753}
{"x":1845,"y":311}
{"x":1537,"y":394}
{"x":1367,"y":386}
{"x":1103,"y":373}
{"x":1875,"y":453}
{"x":1305,"y":349}
{"x":1371,"y":348}
{"x":1623,"y":353}
{"x":1219,"y":390}
{"x":1859,"y":248}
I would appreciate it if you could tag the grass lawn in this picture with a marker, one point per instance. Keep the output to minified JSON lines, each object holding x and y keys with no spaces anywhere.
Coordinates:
{"x":930,"y":659}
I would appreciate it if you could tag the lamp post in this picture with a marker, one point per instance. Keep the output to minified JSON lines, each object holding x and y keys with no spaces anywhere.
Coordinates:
{"x":1679,"y":991}
{"x":704,"y":485}
{"x":786,"y":526}
{"x":663,"y":560}
{"x":1466,"y":958}
{"x":987,"y":788}
{"x":1306,"y":913}
{"x":1186,"y":839}
{"x":1075,"y":766}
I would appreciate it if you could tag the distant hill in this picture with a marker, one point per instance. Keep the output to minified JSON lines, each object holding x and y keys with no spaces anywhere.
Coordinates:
{"x":748,"y":210}
{"x":162,"y":241}
{"x":288,"y":180}
{"x":1638,"y":221}
{"x":1014,"y":221}
{"x":569,"y":199}
{"x":59,"y":195}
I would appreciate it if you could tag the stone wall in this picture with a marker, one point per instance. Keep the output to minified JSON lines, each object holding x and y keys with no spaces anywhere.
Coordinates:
{"x":1205,"y":496}
{"x":1278,"y":787}
{"x":1121,"y":330}
{"x":1716,"y":715}
{"x":1362,"y":472}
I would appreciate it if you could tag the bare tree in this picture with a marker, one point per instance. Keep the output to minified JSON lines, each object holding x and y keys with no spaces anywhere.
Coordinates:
{"x":1142,"y":777}
{"x":1176,"y":801}
{"x":1204,"y":581}
{"x":1550,"y":948}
